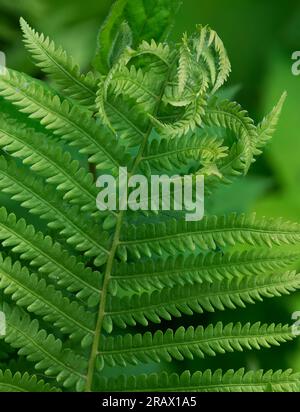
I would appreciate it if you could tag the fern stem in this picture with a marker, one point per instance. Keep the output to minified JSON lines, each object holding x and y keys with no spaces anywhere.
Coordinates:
{"x":115,"y":244}
{"x":107,"y":276}
{"x":101,"y":311}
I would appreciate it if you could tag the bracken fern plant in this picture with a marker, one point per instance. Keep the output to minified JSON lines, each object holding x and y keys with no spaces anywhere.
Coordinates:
{"x":83,"y":291}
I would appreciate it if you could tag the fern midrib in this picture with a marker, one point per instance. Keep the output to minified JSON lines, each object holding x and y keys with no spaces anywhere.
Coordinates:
{"x":178,"y":151}
{"x":115,"y":245}
{"x":102,"y":305}
{"x":211,"y":231}
{"x":104,"y":292}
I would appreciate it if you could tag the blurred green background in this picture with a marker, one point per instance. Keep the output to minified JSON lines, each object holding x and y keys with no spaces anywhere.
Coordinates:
{"x":260,"y":37}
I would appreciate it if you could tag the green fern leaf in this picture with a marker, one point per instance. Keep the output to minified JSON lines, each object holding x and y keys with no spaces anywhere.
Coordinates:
{"x":49,"y":161}
{"x":173,"y":302}
{"x":182,"y":153}
{"x":232,"y":117}
{"x":46,"y":352}
{"x":191,"y":343}
{"x":68,"y":121}
{"x":56,"y":63}
{"x":48,"y":256}
{"x":23,"y":383}
{"x":45,"y":202}
{"x":33,"y":293}
{"x":268,"y":125}
{"x":183,"y":270}
{"x":178,"y":235}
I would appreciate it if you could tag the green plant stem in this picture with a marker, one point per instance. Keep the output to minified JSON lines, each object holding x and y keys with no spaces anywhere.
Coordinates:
{"x":107,"y":276}
{"x":115,"y":244}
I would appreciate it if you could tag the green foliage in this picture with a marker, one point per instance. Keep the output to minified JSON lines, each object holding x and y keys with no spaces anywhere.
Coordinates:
{"x":57,"y":64}
{"x":130,"y":22}
{"x":189,"y":343}
{"x":70,"y":290}
{"x":22,"y":383}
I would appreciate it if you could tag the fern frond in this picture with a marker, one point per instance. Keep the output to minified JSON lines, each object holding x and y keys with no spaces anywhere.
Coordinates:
{"x":44,"y":350}
{"x":28,"y":291}
{"x":134,"y":84}
{"x":127,"y":95}
{"x":230,"y":167}
{"x":159,"y":50}
{"x":175,"y":154}
{"x":150,"y":274}
{"x":23,"y":383}
{"x":207,"y":381}
{"x":30,"y":191}
{"x":49,"y":257}
{"x":230,"y":116}
{"x":179,"y":236}
{"x":50,"y":161}
{"x":127,"y":122}
{"x":191,"y":343}
{"x":210,"y":49}
{"x":267,"y":127}
{"x":197,"y":298}
{"x":192,"y":118}
{"x":184,"y":64}
{"x":65,"y":119}
{"x":234,"y":164}
{"x":56,"y":63}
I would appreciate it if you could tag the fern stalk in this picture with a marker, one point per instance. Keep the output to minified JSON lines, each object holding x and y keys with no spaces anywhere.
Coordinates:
{"x":109,"y":266}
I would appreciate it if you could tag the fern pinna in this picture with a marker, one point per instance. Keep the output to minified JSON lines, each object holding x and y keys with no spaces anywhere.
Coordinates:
{"x":84,"y":291}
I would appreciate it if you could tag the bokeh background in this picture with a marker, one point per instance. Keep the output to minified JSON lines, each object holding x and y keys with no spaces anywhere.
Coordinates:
{"x":260,"y":37}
